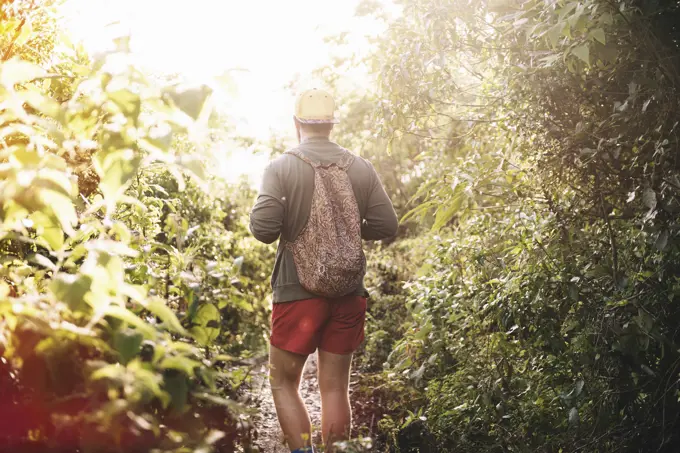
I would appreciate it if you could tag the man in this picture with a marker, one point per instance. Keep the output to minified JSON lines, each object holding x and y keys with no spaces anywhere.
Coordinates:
{"x":303,"y":321}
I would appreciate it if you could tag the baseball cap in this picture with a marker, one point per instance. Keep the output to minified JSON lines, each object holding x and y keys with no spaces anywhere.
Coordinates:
{"x":315,"y":107}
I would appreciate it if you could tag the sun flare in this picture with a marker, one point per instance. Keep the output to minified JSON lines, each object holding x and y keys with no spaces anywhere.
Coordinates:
{"x":262,"y":46}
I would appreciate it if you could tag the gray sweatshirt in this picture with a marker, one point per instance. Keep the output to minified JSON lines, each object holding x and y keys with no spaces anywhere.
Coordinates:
{"x":285,"y":201}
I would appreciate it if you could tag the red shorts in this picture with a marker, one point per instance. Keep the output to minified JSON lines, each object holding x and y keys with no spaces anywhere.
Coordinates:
{"x":332,"y":325}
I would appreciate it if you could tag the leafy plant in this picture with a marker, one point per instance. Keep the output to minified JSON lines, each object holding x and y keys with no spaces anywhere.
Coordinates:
{"x":546,"y":316}
{"x":95,"y":356}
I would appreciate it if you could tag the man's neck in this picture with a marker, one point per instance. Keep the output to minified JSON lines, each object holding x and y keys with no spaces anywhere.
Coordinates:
{"x":311,"y":137}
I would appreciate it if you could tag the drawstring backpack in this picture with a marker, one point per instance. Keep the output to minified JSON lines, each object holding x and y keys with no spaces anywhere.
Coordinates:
{"x":328,"y":253}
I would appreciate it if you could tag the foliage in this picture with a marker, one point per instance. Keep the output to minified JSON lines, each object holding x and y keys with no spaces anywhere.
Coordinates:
{"x":94,"y":356}
{"x":210,"y":269}
{"x":390,"y":267}
{"x":358,"y":445}
{"x":28,"y":29}
{"x":547,"y":318}
{"x":384,"y":406}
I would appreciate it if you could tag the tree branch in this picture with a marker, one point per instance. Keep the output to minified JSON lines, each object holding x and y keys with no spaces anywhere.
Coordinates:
{"x":8,"y":52}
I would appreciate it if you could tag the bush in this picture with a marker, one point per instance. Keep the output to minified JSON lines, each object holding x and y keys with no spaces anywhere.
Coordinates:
{"x":110,"y":299}
{"x":384,"y":401}
{"x":545,"y":136}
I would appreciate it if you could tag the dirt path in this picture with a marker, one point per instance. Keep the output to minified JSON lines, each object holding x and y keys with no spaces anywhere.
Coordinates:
{"x":270,"y":435}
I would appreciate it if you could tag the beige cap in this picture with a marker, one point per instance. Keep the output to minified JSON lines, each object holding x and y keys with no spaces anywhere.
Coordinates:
{"x":315,"y":107}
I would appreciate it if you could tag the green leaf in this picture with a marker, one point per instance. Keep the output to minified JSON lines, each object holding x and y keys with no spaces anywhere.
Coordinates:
{"x":213,"y":436}
{"x":180,"y":363}
{"x":44,"y":104}
{"x":190,"y":99}
{"x":217,"y":400}
{"x":177,"y":386}
{"x":576,"y":16}
{"x":57,"y":179}
{"x":24,"y":34}
{"x":114,"y":372}
{"x":134,"y":292}
{"x":555,"y":33}
{"x":174,"y":171}
{"x":607,"y":19}
{"x":195,"y":166}
{"x":166,"y":315}
{"x":122,"y":231}
{"x":582,"y":52}
{"x":4,"y":290}
{"x":649,"y":198}
{"x":420,"y":210}
{"x":598,"y":35}
{"x":110,"y":247}
{"x":116,"y":170}
{"x":151,"y":380}
{"x":518,"y":23}
{"x":569,"y":7}
{"x":127,"y":316}
{"x":183,"y":347}
{"x":608,"y":54}
{"x":129,"y":103}
{"x":573,"y":416}
{"x":25,"y":157}
{"x":573,"y":292}
{"x":128,"y":343}
{"x":223,"y":358}
{"x":579,"y":387}
{"x":71,"y":289}
{"x":111,"y":141}
{"x":662,"y":240}
{"x":62,"y":207}
{"x":47,"y":228}
{"x":16,"y":71}
{"x":160,"y":138}
{"x":446,"y":212}
{"x":206,"y":324}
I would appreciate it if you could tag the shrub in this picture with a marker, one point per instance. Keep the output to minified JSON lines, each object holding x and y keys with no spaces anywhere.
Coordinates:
{"x":94,"y":355}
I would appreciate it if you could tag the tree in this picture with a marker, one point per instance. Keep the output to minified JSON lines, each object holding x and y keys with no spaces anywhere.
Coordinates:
{"x":547,"y":130}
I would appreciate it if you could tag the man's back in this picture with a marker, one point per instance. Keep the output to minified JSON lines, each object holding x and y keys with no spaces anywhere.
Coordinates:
{"x":285,"y":201}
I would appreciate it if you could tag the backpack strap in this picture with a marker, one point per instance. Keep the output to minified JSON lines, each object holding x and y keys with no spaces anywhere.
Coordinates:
{"x":346,"y":161}
{"x":297,"y":153}
{"x":342,"y":164}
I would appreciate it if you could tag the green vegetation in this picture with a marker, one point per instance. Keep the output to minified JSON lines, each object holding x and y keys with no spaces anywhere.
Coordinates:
{"x":530,"y":302}
{"x":546,"y":316}
{"x":125,"y":286}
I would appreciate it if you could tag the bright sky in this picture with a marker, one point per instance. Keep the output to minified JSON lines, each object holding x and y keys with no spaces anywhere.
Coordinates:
{"x":265,"y":44}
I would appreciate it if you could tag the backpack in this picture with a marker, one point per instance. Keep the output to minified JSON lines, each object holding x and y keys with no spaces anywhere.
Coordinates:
{"x":328,"y":253}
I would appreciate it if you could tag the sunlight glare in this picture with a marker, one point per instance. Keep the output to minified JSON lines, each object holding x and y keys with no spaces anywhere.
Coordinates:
{"x":262,"y":44}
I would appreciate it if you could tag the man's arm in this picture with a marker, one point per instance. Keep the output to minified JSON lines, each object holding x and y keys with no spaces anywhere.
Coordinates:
{"x":380,"y":221}
{"x":266,"y":217}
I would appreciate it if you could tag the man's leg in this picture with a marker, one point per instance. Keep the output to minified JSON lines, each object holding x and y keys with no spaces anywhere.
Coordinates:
{"x":336,"y":414}
{"x":285,"y":373}
{"x":341,"y":336}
